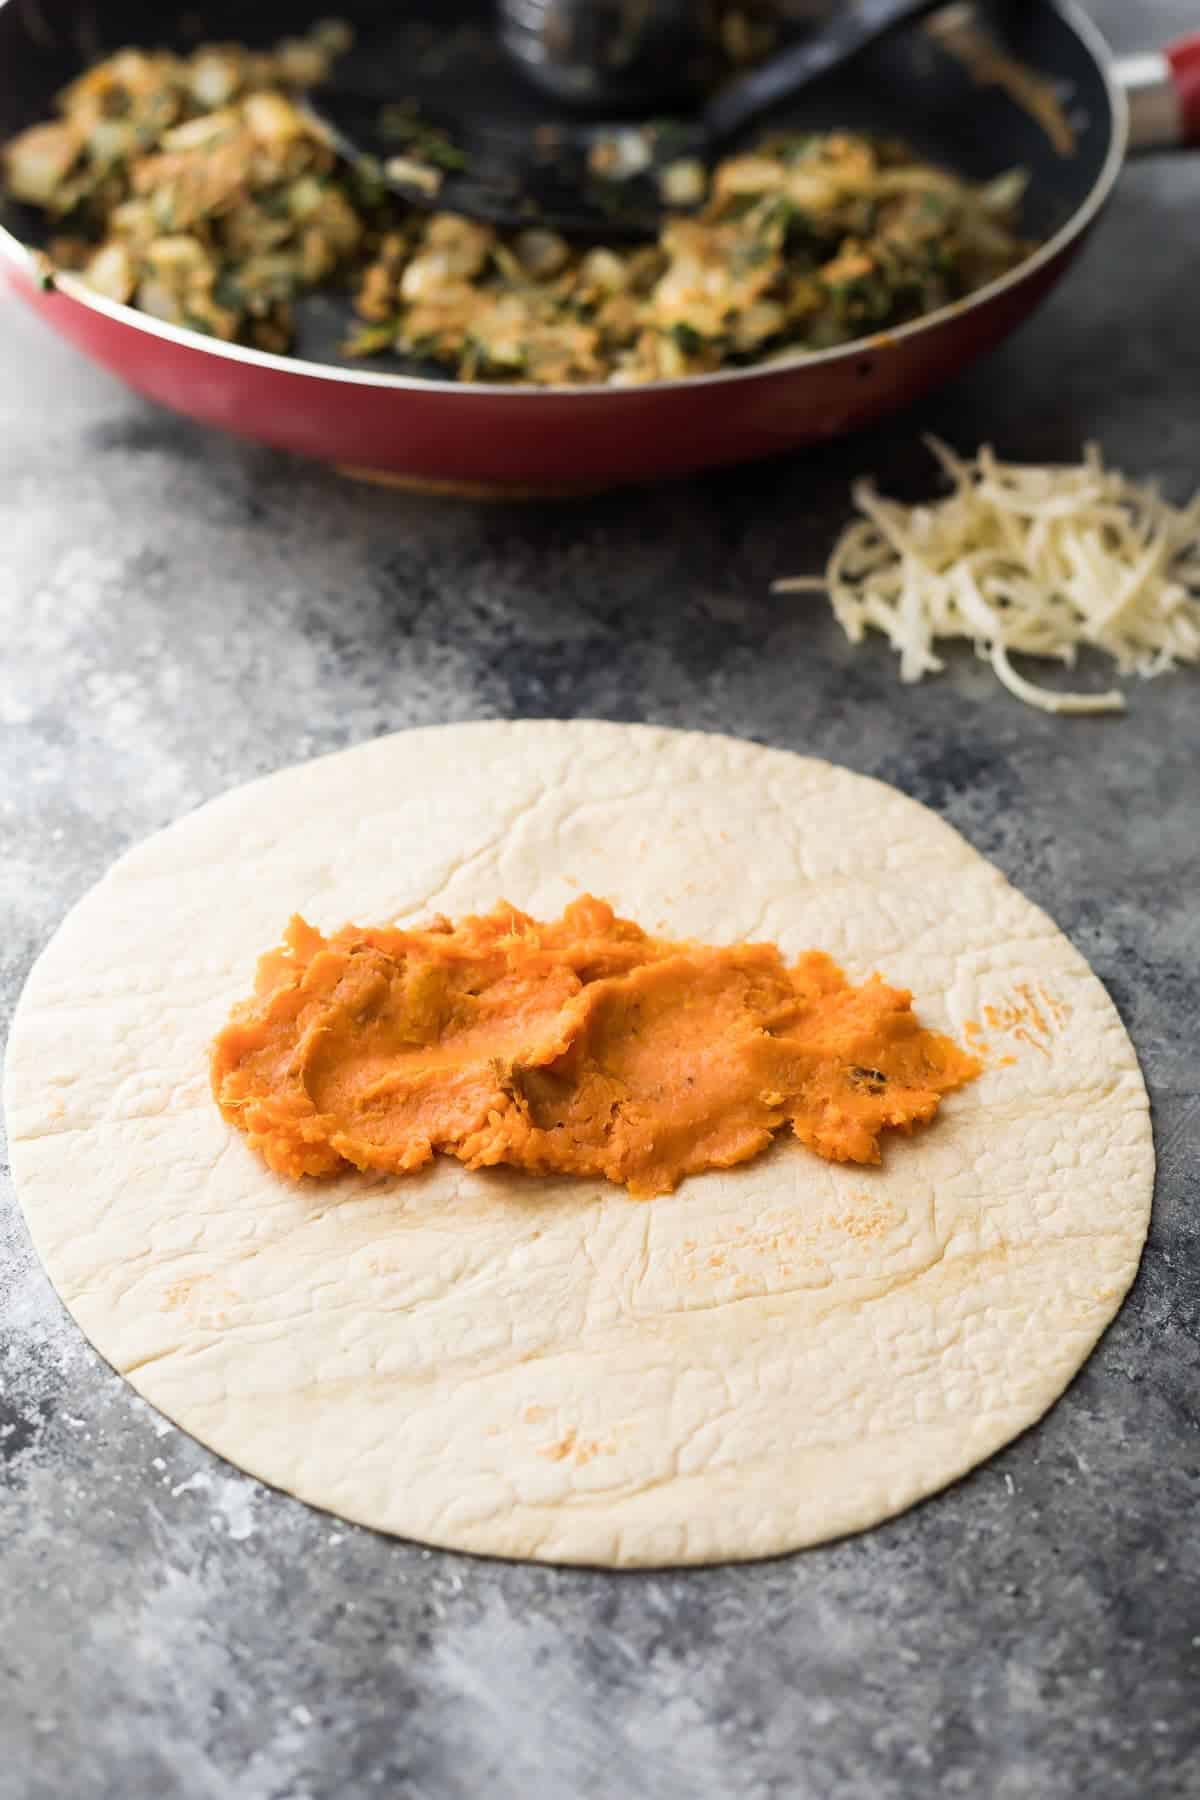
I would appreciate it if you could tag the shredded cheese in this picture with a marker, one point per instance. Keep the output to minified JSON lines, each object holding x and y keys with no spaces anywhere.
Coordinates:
{"x":1021,"y":559}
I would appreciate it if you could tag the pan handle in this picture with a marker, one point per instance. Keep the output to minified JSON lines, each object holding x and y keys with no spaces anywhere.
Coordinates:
{"x":1163,"y":90}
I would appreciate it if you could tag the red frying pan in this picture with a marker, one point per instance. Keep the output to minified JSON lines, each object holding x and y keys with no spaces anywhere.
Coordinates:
{"x":372,"y":419}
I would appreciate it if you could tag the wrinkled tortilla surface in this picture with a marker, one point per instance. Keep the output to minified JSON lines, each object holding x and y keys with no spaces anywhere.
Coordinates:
{"x":772,"y":1355}
{"x":574,"y":1046}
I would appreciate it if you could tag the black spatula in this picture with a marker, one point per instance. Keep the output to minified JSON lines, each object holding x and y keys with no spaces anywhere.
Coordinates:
{"x":589,"y":178}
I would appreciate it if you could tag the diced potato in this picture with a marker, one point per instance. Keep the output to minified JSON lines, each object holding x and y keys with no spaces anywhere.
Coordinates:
{"x":272,"y":119}
{"x":422,"y":176}
{"x":605,"y":270}
{"x":198,"y":133}
{"x":111,"y":140}
{"x":683,"y":183}
{"x":764,"y":319}
{"x":542,"y":253}
{"x":621,"y":155}
{"x":215,"y":76}
{"x":305,"y":197}
{"x":37,"y":162}
{"x":134,"y":221}
{"x":111,"y":272}
{"x":159,"y":300}
{"x":455,"y":250}
{"x":748,"y":175}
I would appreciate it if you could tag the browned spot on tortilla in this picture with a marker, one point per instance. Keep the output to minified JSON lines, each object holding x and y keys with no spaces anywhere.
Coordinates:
{"x":869,"y":1216}
{"x":1033,"y":1018}
{"x":1031,"y":1014}
{"x":1059,"y":1008}
{"x":204,"y":1300}
{"x":579,"y":1450}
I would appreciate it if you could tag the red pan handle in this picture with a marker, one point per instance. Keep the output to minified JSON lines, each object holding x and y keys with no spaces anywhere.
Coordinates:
{"x":1163,"y":90}
{"x":1184,"y":60}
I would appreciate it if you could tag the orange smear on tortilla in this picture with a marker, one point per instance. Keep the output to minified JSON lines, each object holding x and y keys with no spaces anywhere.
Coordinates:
{"x":582,"y":1046}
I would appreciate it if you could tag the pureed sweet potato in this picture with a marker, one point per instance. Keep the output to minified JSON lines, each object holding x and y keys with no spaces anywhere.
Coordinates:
{"x":582,"y":1046}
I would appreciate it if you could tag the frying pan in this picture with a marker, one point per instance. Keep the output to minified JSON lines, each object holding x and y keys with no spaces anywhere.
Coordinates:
{"x":396,"y":423}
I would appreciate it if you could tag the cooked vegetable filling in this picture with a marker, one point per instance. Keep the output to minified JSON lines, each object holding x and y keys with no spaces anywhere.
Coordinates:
{"x":194,"y":188}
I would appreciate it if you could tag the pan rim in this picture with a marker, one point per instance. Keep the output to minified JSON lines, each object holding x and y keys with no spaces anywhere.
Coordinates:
{"x":1072,"y":229}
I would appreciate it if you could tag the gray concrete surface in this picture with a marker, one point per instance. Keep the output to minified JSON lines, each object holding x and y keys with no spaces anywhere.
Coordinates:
{"x":180,"y":612}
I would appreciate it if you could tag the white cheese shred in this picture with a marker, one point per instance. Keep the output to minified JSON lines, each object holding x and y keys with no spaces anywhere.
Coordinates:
{"x":1025,"y":560}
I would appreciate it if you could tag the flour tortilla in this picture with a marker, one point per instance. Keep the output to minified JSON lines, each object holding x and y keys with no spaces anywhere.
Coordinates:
{"x":769,"y":1357}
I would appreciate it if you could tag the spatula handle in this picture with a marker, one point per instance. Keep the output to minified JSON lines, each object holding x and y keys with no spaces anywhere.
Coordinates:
{"x":843,"y":36}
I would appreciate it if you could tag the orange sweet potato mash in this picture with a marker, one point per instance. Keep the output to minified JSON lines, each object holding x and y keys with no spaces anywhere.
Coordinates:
{"x":583,"y":1046}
